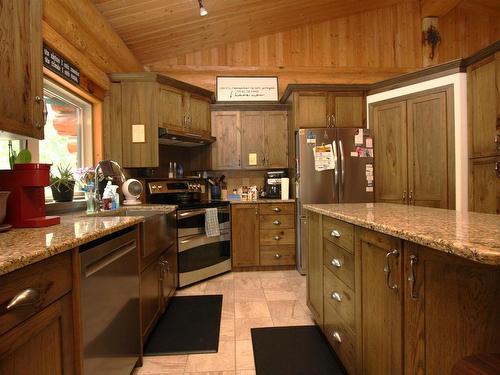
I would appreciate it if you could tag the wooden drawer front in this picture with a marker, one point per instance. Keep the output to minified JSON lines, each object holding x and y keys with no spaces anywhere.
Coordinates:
{"x":339,"y":232}
{"x":277,"y":237}
{"x":340,"y":297}
{"x":50,"y":279}
{"x":277,"y":221}
{"x":340,"y":262}
{"x":277,"y":255}
{"x":277,"y":208}
{"x":340,"y":338}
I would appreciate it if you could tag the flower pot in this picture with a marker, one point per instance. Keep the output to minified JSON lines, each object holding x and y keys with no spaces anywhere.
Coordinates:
{"x":63,"y":193}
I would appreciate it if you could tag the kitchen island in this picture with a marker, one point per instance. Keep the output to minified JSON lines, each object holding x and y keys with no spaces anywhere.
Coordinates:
{"x":404,"y":289}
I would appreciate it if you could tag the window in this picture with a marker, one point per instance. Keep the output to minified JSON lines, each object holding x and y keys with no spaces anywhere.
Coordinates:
{"x":4,"y":151}
{"x":68,"y":131}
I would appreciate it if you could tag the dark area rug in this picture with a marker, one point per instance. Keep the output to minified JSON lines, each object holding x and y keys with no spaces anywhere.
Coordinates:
{"x":191,"y":324}
{"x":293,"y":351}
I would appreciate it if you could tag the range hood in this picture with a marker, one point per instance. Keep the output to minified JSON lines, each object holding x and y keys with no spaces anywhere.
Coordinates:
{"x":183,"y":139}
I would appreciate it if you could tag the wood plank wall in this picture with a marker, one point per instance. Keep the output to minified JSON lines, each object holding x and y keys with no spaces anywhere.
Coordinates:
{"x":466,"y":29}
{"x":365,"y":47}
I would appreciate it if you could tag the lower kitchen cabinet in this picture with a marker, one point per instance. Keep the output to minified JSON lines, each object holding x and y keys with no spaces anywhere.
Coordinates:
{"x":484,"y":185}
{"x":263,"y":235}
{"x":315,"y":267}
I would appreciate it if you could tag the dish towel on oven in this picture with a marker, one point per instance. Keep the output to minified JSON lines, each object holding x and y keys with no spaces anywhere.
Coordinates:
{"x":211,"y":222}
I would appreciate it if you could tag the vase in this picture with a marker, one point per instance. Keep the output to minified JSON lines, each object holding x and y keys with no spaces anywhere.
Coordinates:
{"x":90,"y":198}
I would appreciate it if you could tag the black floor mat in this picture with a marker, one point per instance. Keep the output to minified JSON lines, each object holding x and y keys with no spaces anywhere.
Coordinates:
{"x":293,"y":351}
{"x":191,"y":324}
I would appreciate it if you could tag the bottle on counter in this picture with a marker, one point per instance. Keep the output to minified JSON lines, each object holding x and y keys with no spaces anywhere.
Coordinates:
{"x":174,"y":170}
{"x":171,"y":170}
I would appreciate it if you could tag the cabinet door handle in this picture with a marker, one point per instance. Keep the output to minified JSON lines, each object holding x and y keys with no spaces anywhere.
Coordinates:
{"x":404,"y":196}
{"x":276,"y":209}
{"x":336,"y":336}
{"x":329,"y":121}
{"x":39,"y":100}
{"x":412,"y":277}
{"x":27,"y":297}
{"x":334,"y":121}
{"x":336,"y":296}
{"x":277,"y":256}
{"x":336,"y":263}
{"x":335,"y":233}
{"x":410,"y":196}
{"x":276,"y":222}
{"x":277,"y":238}
{"x":387,"y":269}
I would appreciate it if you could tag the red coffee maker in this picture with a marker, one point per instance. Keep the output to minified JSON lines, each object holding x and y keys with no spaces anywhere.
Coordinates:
{"x":26,"y":203}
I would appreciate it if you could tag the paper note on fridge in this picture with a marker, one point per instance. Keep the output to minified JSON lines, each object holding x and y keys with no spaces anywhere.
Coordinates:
{"x":358,"y":137}
{"x":324,"y":158}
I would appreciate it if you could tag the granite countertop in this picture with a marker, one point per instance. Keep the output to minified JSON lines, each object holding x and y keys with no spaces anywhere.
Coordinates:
{"x":264,"y":200}
{"x":23,"y":246}
{"x":470,"y":235}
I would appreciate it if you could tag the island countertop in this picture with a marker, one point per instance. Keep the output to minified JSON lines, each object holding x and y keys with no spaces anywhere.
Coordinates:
{"x":21,"y":247}
{"x":469,"y":235}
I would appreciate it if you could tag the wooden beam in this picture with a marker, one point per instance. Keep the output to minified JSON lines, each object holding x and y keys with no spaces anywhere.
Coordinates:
{"x":84,"y":38}
{"x":437,"y":8}
{"x":85,"y":12}
{"x":87,"y":67}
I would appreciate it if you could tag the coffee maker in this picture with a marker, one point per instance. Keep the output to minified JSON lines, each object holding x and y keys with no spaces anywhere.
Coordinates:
{"x":273,"y":184}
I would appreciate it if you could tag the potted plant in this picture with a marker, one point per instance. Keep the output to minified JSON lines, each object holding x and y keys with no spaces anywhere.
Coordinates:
{"x":63,"y":185}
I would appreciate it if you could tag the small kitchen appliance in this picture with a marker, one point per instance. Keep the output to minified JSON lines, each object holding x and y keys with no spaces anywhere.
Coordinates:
{"x":26,"y":203}
{"x":273,"y":184}
{"x":132,"y":190}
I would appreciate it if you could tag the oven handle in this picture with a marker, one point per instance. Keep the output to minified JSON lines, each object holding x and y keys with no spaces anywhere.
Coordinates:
{"x":201,"y":211}
{"x":187,"y":243}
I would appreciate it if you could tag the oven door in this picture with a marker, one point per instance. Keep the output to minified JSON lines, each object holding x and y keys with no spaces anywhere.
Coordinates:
{"x":201,"y":257}
{"x":191,"y":222}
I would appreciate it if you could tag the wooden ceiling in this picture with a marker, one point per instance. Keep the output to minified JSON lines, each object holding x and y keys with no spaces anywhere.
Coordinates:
{"x":157,"y":29}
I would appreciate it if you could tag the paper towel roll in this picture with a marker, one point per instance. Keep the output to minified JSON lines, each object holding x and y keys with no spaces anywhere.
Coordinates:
{"x":285,"y":188}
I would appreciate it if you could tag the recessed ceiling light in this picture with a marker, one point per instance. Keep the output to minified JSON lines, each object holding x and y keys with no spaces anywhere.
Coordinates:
{"x":203,"y":11}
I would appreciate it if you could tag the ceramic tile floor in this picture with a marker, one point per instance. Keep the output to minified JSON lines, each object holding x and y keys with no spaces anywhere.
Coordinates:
{"x":251,"y":299}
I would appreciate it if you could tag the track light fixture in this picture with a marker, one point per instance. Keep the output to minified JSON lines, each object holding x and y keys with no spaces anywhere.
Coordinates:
{"x":203,"y":11}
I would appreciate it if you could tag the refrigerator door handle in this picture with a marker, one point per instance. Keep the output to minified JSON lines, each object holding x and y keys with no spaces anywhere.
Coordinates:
{"x":336,"y":171}
{"x":342,"y":167}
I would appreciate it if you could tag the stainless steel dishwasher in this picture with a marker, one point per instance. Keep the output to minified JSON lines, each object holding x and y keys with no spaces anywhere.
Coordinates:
{"x":109,"y":283}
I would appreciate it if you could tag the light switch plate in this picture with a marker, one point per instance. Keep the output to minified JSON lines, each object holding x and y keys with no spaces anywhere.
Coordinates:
{"x":138,"y":133}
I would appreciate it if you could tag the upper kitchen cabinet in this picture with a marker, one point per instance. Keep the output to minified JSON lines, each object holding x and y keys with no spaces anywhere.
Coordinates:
{"x":21,"y":104}
{"x":249,"y":140}
{"x":317,"y":106}
{"x":414,"y":150}
{"x":141,"y":103}
{"x":483,"y":98}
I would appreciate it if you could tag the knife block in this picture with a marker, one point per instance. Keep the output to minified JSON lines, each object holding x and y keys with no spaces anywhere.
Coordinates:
{"x":26,"y":203}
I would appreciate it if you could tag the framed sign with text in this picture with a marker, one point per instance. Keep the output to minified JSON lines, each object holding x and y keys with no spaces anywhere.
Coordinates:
{"x":59,"y":65}
{"x":247,"y":89}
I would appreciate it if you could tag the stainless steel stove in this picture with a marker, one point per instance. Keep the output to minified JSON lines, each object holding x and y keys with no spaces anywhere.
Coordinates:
{"x":199,"y":256}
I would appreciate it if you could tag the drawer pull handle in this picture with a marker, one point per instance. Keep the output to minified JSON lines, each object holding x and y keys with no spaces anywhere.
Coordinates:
{"x":336,"y":263}
{"x":277,"y":256}
{"x":335,"y":233}
{"x":276,"y":222}
{"x":336,"y":336}
{"x":336,"y":296}
{"x":277,"y":238}
{"x":276,"y":209}
{"x":27,"y":297}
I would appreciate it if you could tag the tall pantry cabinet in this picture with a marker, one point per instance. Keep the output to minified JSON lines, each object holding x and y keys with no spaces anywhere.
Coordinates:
{"x":414,"y":149}
{"x":483,"y":110}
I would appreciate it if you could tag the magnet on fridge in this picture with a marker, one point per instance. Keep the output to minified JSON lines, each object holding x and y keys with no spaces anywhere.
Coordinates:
{"x":369,"y":142}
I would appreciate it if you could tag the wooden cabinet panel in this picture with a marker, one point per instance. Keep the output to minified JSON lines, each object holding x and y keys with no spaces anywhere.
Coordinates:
{"x":245,"y":235}
{"x":483,"y":80}
{"x":315,"y":266}
{"x":150,"y":297}
{"x":339,"y":262}
{"x":311,"y":109}
{"x":170,"y":108}
{"x":451,"y":312}
{"x":199,"y":114}
{"x":390,"y":137}
{"x":21,"y":110}
{"x":339,"y":232}
{"x":484,"y":185}
{"x":381,"y":307}
{"x":428,"y":151}
{"x":253,"y":130}
{"x":277,"y":208}
{"x":340,"y":297}
{"x":277,"y":221}
{"x":276,"y":139}
{"x":169,"y":280}
{"x":226,"y":150}
{"x":139,"y":107}
{"x":41,"y":345}
{"x":277,"y":236}
{"x":348,"y":112}
{"x":282,"y":255}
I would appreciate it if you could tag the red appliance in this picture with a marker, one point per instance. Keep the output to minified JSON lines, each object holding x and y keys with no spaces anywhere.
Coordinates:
{"x":26,"y":203}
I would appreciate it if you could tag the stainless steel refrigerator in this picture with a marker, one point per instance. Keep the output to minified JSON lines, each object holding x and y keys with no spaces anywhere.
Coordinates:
{"x":350,"y":182}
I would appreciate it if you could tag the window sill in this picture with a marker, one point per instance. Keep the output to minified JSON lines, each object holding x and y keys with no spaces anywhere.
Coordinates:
{"x":54,"y":208}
